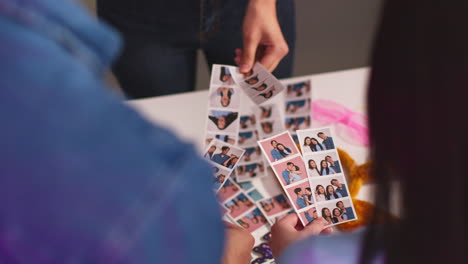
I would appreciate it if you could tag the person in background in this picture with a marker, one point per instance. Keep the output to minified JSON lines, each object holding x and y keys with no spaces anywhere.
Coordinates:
{"x":84,"y":178}
{"x":420,"y":60}
{"x":162,"y":38}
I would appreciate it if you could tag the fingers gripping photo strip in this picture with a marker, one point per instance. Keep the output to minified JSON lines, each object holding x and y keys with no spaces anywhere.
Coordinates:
{"x":259,"y":84}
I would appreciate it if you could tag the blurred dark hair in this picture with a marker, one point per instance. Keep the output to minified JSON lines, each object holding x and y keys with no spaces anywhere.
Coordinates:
{"x":419,"y":83}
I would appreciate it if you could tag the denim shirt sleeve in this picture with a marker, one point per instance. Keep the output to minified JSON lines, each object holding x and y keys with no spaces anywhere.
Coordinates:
{"x":84,"y":179}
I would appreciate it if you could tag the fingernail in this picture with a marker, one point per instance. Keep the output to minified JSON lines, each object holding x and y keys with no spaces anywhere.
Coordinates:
{"x":244,"y":67}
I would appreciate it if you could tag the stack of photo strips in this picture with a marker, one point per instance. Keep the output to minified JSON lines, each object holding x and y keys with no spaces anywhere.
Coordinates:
{"x":245,"y":180}
{"x":253,"y":164}
{"x":297,"y":105}
{"x":314,"y":181}
{"x":231,"y":145}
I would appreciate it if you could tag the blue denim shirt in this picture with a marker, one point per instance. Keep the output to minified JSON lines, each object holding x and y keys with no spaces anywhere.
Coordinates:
{"x":84,"y":179}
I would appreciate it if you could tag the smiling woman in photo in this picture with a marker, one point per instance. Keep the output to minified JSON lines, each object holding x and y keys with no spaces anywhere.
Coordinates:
{"x":225,"y":95}
{"x":325,"y":168}
{"x":222,"y":119}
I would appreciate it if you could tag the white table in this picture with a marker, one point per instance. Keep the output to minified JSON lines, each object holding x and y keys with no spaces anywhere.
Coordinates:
{"x":185,"y":113}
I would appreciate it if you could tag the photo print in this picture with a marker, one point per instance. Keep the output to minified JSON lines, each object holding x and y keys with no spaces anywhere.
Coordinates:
{"x":330,"y":188}
{"x":224,"y":97}
{"x":316,"y":140}
{"x":301,"y":194}
{"x":222,"y":121}
{"x":337,"y":211}
{"x":252,"y":220}
{"x":290,"y":171}
{"x":246,"y":172}
{"x":239,"y":205}
{"x":222,"y":75}
{"x":323,"y":163}
{"x":247,"y":138}
{"x":278,"y":147}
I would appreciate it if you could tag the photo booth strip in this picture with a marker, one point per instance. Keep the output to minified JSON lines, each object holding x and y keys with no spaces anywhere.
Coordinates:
{"x":297,"y":104}
{"x":242,"y":209}
{"x":253,"y":165}
{"x":260,"y":85}
{"x":340,"y":201}
{"x":223,"y":163}
{"x":288,"y":169}
{"x":224,"y":106}
{"x":275,"y":207}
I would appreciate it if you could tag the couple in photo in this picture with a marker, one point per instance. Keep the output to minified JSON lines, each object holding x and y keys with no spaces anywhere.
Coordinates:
{"x":334,"y":191}
{"x":314,"y":145}
{"x":291,"y":173}
{"x":338,"y":214}
{"x":304,"y":198}
{"x":222,"y":158}
{"x":279,"y":151}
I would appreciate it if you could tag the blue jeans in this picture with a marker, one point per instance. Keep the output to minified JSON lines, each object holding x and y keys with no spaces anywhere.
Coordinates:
{"x":162,"y":38}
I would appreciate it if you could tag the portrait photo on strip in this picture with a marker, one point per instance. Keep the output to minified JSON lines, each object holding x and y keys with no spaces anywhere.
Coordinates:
{"x":223,"y":154}
{"x":222,"y":75}
{"x":220,"y":177}
{"x":230,"y":139}
{"x":308,"y":215}
{"x":300,"y":89}
{"x":323,"y":163}
{"x":228,"y":190}
{"x":268,"y":112}
{"x":298,"y":106}
{"x":337,"y":211}
{"x":297,"y":122}
{"x":224,"y":97}
{"x":247,"y":138}
{"x":301,"y":195}
{"x":221,"y":121}
{"x":279,"y":147}
{"x":275,"y":205}
{"x":253,"y":153}
{"x":290,"y":171}
{"x":247,"y":122}
{"x":250,"y":170}
{"x":239,"y":205}
{"x":316,"y":140}
{"x":253,"y":220}
{"x":329,"y":188}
